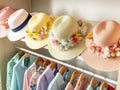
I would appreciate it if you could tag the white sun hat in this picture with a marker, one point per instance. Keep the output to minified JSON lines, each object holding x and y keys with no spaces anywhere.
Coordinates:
{"x":18,"y":24}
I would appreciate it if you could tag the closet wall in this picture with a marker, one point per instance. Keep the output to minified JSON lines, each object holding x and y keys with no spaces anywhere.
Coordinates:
{"x":95,"y":10}
{"x":7,"y":49}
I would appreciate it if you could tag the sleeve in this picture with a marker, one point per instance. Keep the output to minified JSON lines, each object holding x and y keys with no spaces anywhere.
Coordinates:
{"x":53,"y":86}
{"x":41,"y":84}
{"x":8,"y":78}
{"x":14,"y":82}
{"x":25,"y":82}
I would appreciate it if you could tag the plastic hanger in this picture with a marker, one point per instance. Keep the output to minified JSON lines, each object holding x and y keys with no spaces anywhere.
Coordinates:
{"x":74,"y":75}
{"x":46,"y":63}
{"x":94,"y":81}
{"x":63,"y":69}
{"x":103,"y":85}
{"x":20,"y":53}
{"x":26,"y":55}
{"x":53,"y":65}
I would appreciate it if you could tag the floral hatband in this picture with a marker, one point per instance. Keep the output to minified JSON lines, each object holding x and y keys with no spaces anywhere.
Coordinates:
{"x":111,"y":51}
{"x":65,"y":44}
{"x":43,"y":32}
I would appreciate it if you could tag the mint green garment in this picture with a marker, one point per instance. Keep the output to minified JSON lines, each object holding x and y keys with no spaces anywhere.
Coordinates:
{"x":10,"y":66}
{"x":19,"y":70}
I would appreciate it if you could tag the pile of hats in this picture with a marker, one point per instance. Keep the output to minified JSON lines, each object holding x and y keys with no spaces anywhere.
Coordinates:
{"x":65,"y":37}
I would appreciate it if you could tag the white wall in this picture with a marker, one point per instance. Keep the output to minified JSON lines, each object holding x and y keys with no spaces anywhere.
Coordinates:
{"x":88,"y":9}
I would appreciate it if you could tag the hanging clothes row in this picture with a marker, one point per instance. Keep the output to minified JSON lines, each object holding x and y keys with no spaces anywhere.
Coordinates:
{"x":29,"y":72}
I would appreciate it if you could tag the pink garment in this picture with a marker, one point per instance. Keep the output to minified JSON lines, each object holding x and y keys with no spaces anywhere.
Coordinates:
{"x":82,"y":85}
{"x":34,"y":78}
{"x":28,"y":74}
{"x":69,"y":86}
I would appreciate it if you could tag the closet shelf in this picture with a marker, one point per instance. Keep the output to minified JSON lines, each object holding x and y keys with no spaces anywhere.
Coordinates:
{"x":43,"y":52}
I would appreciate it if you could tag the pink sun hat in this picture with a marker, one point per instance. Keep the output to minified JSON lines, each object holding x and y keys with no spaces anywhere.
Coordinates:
{"x":103,"y":46}
{"x":4,"y":15}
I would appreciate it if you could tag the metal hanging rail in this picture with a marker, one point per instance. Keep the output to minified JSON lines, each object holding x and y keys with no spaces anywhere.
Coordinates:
{"x":70,"y":66}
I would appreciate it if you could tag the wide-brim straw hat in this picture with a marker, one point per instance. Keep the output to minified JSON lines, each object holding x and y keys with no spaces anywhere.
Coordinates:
{"x":65,"y":41}
{"x":18,"y":24}
{"x":4,"y":15}
{"x":38,"y":30}
{"x":103,"y":46}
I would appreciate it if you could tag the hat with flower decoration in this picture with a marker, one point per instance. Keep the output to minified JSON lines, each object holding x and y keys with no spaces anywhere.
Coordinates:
{"x":4,"y":15}
{"x":38,"y":29}
{"x":65,"y":40}
{"x":103,"y":46}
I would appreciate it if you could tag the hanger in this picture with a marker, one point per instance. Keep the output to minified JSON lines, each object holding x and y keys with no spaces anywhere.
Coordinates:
{"x":38,"y":61}
{"x":74,"y":75}
{"x":20,"y":53}
{"x":26,"y":55}
{"x":46,"y":63}
{"x":93,"y":81}
{"x":63,"y":69}
{"x":80,"y":78}
{"x":103,"y":85}
{"x":53,"y":65}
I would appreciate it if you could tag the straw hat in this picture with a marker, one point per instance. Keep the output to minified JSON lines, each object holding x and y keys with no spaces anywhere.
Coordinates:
{"x":103,"y":46}
{"x":17,"y":23}
{"x":4,"y":15}
{"x":65,"y":41}
{"x":38,"y":30}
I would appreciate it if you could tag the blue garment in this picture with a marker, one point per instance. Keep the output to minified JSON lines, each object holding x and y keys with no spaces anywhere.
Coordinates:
{"x":60,"y":81}
{"x":19,"y":70}
{"x":10,"y":66}
{"x":57,"y":83}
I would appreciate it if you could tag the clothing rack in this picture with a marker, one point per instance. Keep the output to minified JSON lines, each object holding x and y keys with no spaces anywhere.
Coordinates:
{"x":69,"y":65}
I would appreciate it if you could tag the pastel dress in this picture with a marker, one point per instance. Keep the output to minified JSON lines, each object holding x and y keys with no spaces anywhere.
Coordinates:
{"x":34,"y":78}
{"x":10,"y":66}
{"x":19,"y":70}
{"x":82,"y":85}
{"x":71,"y":86}
{"x":60,"y":81}
{"x":28,"y":74}
{"x":45,"y":78}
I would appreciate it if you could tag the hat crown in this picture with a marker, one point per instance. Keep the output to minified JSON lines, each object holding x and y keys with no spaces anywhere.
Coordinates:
{"x":64,"y":26}
{"x":5,"y":13}
{"x":38,"y":21}
{"x":106,"y":33}
{"x":17,"y":18}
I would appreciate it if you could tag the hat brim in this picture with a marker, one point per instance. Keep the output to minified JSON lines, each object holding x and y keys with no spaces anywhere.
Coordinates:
{"x":68,"y":54}
{"x":99,"y":63}
{"x":3,"y":31}
{"x":15,"y":36}
{"x":35,"y":44}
